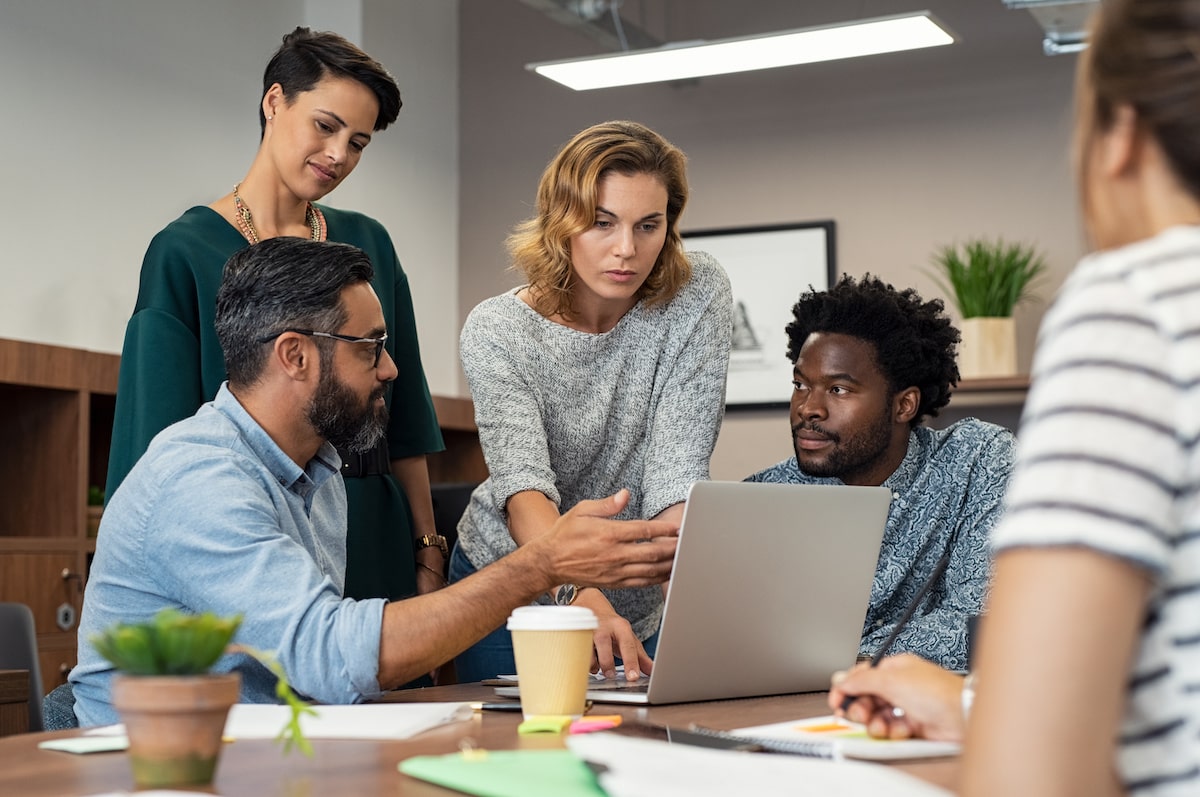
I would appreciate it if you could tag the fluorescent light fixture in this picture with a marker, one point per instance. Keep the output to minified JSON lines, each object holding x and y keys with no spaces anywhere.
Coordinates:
{"x":786,"y":48}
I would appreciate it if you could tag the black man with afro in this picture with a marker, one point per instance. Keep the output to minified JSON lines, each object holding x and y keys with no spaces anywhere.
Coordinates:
{"x":870,"y":364}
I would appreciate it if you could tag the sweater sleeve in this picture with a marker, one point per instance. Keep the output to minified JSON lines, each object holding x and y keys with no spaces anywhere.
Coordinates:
{"x":507,"y":412}
{"x":160,"y":379}
{"x":683,"y":430}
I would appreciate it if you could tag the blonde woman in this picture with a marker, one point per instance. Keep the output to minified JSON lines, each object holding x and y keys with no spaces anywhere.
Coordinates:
{"x":604,"y":373}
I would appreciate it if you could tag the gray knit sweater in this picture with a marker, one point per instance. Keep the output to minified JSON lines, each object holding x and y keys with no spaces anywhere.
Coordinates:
{"x":576,"y":415}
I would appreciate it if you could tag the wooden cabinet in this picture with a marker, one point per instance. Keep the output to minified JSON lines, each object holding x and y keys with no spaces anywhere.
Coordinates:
{"x":56,"y":417}
{"x":56,"y":413}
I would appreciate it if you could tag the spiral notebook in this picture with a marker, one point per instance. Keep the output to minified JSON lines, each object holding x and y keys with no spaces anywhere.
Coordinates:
{"x":779,"y":573}
{"x":831,"y":737}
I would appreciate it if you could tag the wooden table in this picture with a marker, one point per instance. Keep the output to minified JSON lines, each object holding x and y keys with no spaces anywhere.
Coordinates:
{"x":257,"y":768}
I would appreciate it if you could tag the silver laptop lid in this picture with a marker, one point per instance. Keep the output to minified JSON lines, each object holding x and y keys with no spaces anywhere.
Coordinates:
{"x":769,"y":590}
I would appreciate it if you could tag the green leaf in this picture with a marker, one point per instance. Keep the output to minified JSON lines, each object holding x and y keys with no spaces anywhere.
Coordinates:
{"x":170,"y":643}
{"x":291,"y":734}
{"x":985,"y":278}
{"x":174,"y":643}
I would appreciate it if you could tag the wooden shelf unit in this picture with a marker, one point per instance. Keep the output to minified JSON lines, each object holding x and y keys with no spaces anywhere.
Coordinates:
{"x":56,"y":416}
{"x":56,"y":413}
{"x":996,"y":391}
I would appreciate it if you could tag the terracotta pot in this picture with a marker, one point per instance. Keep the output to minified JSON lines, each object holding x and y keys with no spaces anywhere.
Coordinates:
{"x":175,"y":724}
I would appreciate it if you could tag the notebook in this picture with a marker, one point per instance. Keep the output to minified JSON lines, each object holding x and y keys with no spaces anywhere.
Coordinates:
{"x":768,"y":594}
{"x":833,"y":737}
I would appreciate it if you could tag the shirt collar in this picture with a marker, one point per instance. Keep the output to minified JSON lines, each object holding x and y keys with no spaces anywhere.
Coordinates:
{"x":903,"y":476}
{"x":303,"y":481}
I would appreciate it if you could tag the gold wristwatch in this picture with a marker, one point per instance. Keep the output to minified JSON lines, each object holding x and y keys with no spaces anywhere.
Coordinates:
{"x":432,"y":541}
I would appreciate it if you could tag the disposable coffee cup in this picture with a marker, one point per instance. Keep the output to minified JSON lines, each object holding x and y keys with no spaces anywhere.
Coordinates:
{"x":553,"y":649}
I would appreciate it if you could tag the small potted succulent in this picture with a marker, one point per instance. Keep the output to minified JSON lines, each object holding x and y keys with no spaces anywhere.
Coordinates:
{"x":986,"y":280}
{"x":173,"y":708}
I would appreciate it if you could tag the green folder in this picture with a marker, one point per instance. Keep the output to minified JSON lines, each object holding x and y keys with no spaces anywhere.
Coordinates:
{"x":508,"y":773}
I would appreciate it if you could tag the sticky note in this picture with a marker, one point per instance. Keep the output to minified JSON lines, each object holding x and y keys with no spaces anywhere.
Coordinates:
{"x":599,"y":723}
{"x":544,"y":725}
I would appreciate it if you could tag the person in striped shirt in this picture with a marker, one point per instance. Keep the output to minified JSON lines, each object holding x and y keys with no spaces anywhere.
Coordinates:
{"x":1088,"y":670}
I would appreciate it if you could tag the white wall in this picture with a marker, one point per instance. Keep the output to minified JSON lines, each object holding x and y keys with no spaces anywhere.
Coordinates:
{"x":120,"y":114}
{"x":905,"y":151}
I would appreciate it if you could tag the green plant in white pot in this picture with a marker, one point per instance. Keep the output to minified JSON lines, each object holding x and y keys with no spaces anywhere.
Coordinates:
{"x":986,"y":280}
{"x":173,"y":708}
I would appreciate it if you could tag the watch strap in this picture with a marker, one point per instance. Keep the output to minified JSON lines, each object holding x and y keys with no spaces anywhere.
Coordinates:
{"x":432,"y":541}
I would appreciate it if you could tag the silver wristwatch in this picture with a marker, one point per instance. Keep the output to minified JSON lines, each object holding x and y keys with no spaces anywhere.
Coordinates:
{"x":566,"y":595}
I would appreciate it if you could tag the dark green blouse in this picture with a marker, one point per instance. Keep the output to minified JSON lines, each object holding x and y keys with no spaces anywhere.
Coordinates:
{"x":172,"y":363}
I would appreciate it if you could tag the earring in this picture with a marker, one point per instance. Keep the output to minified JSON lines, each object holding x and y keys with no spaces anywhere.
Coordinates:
{"x":269,"y":118}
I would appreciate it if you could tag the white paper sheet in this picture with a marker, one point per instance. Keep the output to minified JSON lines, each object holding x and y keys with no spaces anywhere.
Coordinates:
{"x":646,"y":768}
{"x":365,"y":721}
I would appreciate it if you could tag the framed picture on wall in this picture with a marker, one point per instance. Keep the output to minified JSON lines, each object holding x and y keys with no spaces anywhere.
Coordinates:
{"x":768,"y":267}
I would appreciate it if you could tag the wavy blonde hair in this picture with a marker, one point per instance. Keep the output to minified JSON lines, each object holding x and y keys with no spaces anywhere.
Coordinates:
{"x":540,"y":247}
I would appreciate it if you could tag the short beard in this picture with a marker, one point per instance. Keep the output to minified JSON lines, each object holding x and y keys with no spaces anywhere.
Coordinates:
{"x":856,"y":456}
{"x":336,"y":415}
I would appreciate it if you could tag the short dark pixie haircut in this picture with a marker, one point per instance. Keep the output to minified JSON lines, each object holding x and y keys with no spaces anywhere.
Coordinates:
{"x":282,"y":283}
{"x":914,"y":341}
{"x":306,"y":56}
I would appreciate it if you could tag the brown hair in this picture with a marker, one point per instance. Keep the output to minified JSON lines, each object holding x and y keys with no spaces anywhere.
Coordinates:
{"x":1144,"y":54}
{"x":566,"y":206}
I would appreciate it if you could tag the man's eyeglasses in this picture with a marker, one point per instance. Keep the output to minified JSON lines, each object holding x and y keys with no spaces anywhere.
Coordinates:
{"x":379,"y":342}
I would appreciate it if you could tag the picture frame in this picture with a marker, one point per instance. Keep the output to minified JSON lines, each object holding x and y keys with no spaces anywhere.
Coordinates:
{"x":768,"y":267}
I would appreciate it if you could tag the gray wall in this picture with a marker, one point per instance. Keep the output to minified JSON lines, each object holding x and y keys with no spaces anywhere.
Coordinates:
{"x":121,"y":114}
{"x":905,"y":152}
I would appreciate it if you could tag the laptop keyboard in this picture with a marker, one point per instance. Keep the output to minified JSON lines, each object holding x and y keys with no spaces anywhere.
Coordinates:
{"x":619,"y":684}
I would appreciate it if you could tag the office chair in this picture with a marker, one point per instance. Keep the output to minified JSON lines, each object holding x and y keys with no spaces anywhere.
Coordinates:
{"x":450,"y":500}
{"x":18,"y":651}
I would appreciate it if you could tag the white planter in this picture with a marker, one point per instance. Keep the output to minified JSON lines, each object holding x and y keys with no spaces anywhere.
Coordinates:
{"x":988,"y":348}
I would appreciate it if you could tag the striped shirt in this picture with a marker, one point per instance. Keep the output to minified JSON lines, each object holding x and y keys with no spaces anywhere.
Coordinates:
{"x":1108,"y":459}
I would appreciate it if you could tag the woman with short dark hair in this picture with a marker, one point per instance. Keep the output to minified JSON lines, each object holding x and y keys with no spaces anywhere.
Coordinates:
{"x":322,"y":100}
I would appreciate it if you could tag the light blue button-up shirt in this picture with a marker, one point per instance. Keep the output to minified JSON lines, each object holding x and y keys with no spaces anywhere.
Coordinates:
{"x":216,"y":517}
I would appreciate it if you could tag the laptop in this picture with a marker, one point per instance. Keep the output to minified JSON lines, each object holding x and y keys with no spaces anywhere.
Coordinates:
{"x":768,"y":594}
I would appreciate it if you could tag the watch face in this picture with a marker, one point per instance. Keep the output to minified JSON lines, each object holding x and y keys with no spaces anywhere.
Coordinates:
{"x":566,"y":595}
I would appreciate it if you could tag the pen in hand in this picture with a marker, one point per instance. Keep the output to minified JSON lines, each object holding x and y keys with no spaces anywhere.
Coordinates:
{"x":909,"y":611}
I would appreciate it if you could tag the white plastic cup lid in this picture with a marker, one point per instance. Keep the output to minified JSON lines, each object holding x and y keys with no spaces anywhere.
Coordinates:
{"x":552,"y":618}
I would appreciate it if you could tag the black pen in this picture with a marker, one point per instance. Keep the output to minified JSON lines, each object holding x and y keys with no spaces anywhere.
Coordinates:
{"x":938,"y":570}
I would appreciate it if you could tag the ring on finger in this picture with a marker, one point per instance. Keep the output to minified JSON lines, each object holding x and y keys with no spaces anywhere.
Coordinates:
{"x":898,"y":712}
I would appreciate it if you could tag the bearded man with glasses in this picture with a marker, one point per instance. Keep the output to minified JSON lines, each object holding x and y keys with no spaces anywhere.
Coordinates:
{"x":238,"y":509}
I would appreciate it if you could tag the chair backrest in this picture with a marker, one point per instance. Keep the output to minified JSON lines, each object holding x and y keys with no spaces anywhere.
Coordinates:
{"x":450,"y":500}
{"x":18,"y":651}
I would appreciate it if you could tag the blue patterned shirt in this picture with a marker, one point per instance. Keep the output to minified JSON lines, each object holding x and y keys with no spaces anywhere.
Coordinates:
{"x":949,"y":490}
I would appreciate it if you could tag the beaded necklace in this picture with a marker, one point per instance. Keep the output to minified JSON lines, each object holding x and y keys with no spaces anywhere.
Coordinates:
{"x":313,"y":217}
